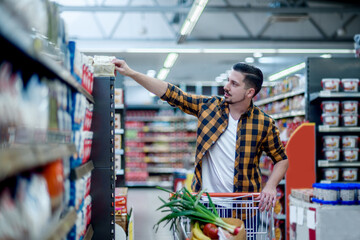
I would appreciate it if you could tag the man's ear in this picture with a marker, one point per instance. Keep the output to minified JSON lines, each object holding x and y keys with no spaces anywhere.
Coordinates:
{"x":250,"y":92}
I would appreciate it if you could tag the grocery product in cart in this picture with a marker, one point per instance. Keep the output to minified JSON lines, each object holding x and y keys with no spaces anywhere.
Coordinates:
{"x":239,"y":212}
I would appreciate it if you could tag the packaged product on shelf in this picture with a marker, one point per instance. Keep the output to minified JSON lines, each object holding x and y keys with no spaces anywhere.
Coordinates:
{"x":331,"y":174}
{"x":350,"y":84}
{"x":330,"y":107}
{"x":87,"y":79}
{"x":75,"y":61}
{"x":330,"y":119}
{"x":79,"y":190}
{"x":119,"y":96}
{"x":88,"y":116}
{"x":332,"y":154}
{"x":330,"y":84}
{"x":349,"y":120}
{"x":351,"y":154}
{"x":103,"y":66}
{"x":117,"y":141}
{"x":350,"y":107}
{"x":117,"y":121}
{"x":55,"y":185}
{"x":117,"y":162}
{"x":350,"y":174}
{"x":88,"y":136}
{"x":331,"y":141}
{"x":26,"y":210}
{"x":350,"y":141}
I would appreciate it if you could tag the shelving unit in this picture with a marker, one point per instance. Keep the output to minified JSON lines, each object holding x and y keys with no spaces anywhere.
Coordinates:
{"x":318,"y":68}
{"x":279,"y":97}
{"x":157,"y":146}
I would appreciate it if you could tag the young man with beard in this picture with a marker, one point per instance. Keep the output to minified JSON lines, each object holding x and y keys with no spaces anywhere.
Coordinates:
{"x":232,"y":133}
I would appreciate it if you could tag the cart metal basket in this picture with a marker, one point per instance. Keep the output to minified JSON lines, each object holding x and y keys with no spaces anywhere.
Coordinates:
{"x":258,"y":225}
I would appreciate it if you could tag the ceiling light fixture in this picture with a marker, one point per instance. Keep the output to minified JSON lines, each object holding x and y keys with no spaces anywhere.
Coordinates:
{"x":287,"y":71}
{"x":326,"y":56}
{"x":192,"y":18}
{"x":249,"y":60}
{"x":163,"y":73}
{"x":257,"y":54}
{"x":170,"y":60}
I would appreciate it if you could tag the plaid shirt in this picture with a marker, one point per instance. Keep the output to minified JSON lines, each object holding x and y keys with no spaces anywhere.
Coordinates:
{"x":256,"y":132}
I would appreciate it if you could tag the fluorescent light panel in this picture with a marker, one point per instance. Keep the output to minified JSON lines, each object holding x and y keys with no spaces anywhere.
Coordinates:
{"x":193,"y":16}
{"x":170,"y":60}
{"x":287,"y":71}
{"x":163,"y":73}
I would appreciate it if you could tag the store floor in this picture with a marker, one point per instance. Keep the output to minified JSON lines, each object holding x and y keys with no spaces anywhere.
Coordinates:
{"x":145,"y":201}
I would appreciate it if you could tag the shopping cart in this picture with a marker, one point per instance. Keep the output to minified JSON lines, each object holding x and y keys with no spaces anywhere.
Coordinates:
{"x":258,"y":225}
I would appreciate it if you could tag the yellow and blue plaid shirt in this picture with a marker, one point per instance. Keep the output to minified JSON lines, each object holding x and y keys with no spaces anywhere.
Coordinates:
{"x":256,"y":132}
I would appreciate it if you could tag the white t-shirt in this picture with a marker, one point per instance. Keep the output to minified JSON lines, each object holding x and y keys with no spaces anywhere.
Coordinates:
{"x":219,"y":162}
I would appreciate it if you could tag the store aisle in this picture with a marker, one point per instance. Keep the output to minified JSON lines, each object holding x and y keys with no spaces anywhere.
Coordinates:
{"x":145,"y":201}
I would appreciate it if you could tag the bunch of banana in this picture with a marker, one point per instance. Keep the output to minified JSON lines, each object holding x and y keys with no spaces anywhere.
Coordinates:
{"x":197,"y":233}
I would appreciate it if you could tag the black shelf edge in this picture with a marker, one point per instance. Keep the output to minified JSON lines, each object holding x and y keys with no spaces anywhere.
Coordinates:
{"x":24,"y":157}
{"x":63,"y":226}
{"x":279,"y":97}
{"x":82,"y":170}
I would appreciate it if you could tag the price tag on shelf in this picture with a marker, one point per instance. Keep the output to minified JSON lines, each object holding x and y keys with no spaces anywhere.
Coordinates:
{"x":323,"y":163}
{"x":325,"y":93}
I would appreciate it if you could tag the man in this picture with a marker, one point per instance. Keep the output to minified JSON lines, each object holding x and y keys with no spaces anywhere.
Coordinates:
{"x":232,"y":133}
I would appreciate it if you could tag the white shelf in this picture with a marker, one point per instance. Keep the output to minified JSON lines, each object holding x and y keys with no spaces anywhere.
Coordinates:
{"x":120,"y":106}
{"x":119,"y":131}
{"x":160,"y":149}
{"x":23,"y":157}
{"x":293,"y":113}
{"x":160,"y":119}
{"x":119,"y":151}
{"x":120,"y":172}
{"x":326,"y":163}
{"x":163,"y":139}
{"x":325,"y":128}
{"x":328,"y":94}
{"x":282,"y":182}
{"x":265,"y":172}
{"x":279,"y":97}
{"x":163,"y":170}
{"x":164,"y":184}
{"x":82,"y":170}
{"x":58,"y":230}
{"x":280,"y":216}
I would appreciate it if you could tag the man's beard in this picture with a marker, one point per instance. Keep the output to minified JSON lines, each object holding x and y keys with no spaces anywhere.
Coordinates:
{"x":233,"y":102}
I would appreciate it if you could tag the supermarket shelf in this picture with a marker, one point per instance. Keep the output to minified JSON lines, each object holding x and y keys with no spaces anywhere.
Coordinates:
{"x":24,"y":43}
{"x":89,"y":233}
{"x":329,"y":181}
{"x":164,"y":170}
{"x":325,"y":128}
{"x":64,"y":226}
{"x":163,"y":160}
{"x":159,"y":149}
{"x":164,"y":105}
{"x":163,"y":139}
{"x":282,"y":182}
{"x":119,"y":131}
{"x":23,"y":157}
{"x":160,"y":119}
{"x":162,"y":129}
{"x":120,"y":172}
{"x":164,"y":184}
{"x":328,"y":94}
{"x":119,"y":152}
{"x":265,"y":172}
{"x":120,"y":106}
{"x":280,"y":216}
{"x":279,"y":97}
{"x":82,"y":170}
{"x":293,"y":113}
{"x":326,"y":163}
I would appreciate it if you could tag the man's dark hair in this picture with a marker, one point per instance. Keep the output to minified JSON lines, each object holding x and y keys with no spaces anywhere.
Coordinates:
{"x":253,"y":76}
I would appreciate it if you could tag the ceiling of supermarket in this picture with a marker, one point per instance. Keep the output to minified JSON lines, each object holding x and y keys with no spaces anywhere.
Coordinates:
{"x":264,"y":32}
